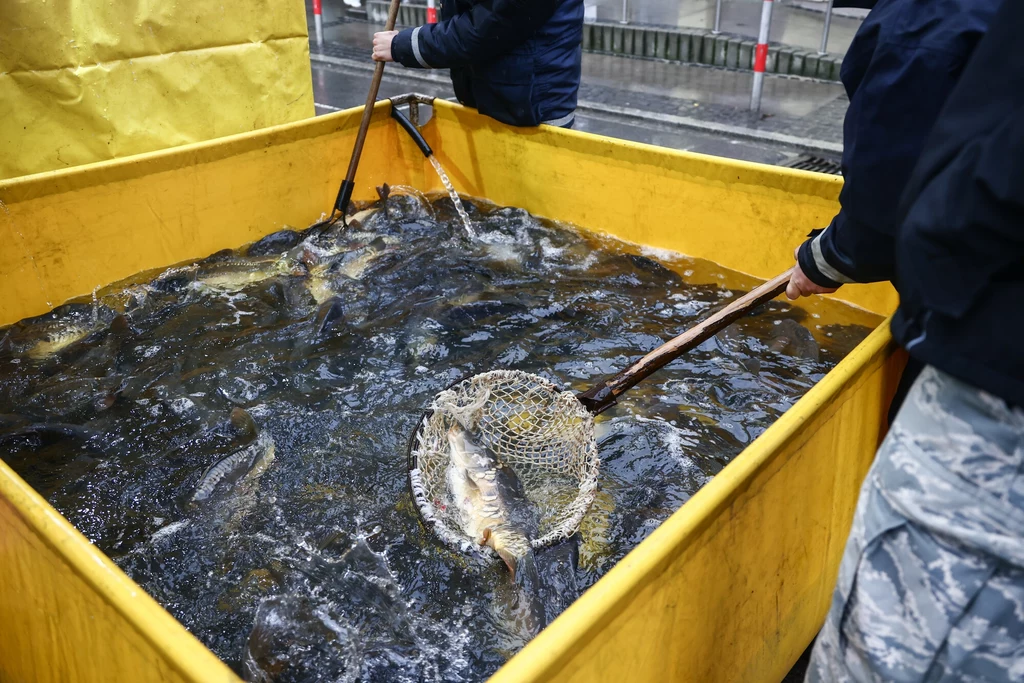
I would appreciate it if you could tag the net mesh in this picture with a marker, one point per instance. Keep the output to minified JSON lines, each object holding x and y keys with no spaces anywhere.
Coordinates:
{"x":543,"y":433}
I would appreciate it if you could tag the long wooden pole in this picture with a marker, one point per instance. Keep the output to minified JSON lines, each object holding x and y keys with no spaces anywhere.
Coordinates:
{"x":603,"y":396}
{"x":348,"y":185}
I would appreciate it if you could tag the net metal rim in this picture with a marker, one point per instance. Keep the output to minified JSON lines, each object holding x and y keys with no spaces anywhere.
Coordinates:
{"x":566,"y":526}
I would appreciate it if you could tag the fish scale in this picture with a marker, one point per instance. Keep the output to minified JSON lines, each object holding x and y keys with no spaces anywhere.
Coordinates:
{"x":488,"y":503}
{"x":238,"y":465}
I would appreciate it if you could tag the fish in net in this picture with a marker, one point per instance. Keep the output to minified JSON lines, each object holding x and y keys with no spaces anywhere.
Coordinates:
{"x":544,"y":434}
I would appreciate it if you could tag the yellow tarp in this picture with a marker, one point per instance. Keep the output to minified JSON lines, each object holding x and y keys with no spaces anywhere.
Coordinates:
{"x":88,"y":81}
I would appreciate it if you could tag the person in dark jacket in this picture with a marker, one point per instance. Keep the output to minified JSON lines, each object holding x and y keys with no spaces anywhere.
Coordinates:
{"x":931,"y":586}
{"x":898,"y":72}
{"x":518,"y":61}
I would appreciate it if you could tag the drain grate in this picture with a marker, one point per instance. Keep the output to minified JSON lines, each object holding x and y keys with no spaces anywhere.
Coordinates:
{"x":809,"y":162}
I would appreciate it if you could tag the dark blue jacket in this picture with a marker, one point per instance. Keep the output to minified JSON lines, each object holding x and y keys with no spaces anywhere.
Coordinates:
{"x":517,"y":61}
{"x":899,"y":70}
{"x":960,"y":249}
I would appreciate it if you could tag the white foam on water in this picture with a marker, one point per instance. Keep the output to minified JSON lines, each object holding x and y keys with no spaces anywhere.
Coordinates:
{"x":166,"y":531}
{"x":546,"y":311}
{"x":661,"y":254}
{"x":496,"y":237}
{"x":259,"y":410}
{"x":180,"y":405}
{"x":150,"y":351}
{"x":549,"y":250}
{"x":585,"y":263}
{"x":95,"y":306}
{"x":502,"y":251}
{"x":678,"y":442}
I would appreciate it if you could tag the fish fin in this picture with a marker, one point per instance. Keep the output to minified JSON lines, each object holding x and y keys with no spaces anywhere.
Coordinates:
{"x":119,"y":326}
{"x":52,"y":430}
{"x":329,"y":313}
{"x":523,"y":568}
{"x":470,"y":481}
{"x":219,"y":257}
{"x":485,"y":536}
{"x":243,"y":425}
{"x":526,"y":575}
{"x":106,"y":401}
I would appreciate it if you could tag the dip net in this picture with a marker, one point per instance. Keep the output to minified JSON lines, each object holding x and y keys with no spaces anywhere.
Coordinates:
{"x":542,"y":433}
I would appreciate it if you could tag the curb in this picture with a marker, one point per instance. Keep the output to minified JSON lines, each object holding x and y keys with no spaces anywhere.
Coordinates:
{"x":691,"y":46}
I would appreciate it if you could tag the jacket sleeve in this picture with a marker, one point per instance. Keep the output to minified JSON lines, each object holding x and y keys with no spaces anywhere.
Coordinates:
{"x":847,"y":251}
{"x":489,"y":29}
{"x":891,"y":113}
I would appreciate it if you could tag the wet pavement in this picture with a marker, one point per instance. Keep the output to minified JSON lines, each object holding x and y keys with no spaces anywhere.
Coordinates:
{"x":688,"y":83}
{"x":794,"y":106}
{"x":799,"y":23}
{"x":694,"y":83}
{"x":683,"y":106}
{"x":637,"y":99}
{"x":338,"y":88}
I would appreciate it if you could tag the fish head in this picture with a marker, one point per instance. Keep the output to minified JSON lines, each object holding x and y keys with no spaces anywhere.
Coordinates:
{"x":294,"y":268}
{"x":465,"y":451}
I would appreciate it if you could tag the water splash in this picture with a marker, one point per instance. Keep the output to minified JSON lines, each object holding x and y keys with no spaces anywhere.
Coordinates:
{"x":410,"y":190}
{"x":96,"y":305}
{"x":454,"y":195}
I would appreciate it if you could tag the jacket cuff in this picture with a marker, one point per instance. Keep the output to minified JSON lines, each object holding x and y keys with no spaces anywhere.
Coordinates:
{"x":814,"y":261}
{"x":405,"y":49}
{"x":806,"y":260}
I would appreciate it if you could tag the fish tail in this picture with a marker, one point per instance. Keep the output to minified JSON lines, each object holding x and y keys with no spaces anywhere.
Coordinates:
{"x":523,"y":567}
{"x":243,"y":425}
{"x":527,"y":576}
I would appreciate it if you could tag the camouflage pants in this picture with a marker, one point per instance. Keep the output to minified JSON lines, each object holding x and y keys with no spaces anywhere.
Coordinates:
{"x":931,"y":586}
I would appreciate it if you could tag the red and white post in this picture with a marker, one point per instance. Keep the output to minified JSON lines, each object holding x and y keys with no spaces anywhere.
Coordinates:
{"x":318,"y":21}
{"x":761,"y":55}
{"x":431,"y":12}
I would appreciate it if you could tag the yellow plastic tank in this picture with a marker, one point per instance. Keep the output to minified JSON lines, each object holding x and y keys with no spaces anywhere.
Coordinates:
{"x":732,"y":587}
